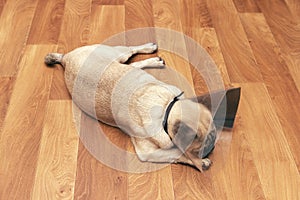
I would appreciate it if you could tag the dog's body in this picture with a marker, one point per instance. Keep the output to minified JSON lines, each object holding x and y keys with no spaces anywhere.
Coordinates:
{"x":127,"y":97}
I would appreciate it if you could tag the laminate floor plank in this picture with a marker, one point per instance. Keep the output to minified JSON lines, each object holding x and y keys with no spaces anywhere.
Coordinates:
{"x":204,"y":34}
{"x":57,"y":160}
{"x":15,"y":22}
{"x":59,"y":89}
{"x":254,"y":44}
{"x":139,"y":25}
{"x":23,"y":124}
{"x":2,"y":3}
{"x":238,"y":56}
{"x":139,"y":15}
{"x":101,"y":28}
{"x":107,"y":183}
{"x":46,"y":24}
{"x":75,"y":26}
{"x":273,"y":159}
{"x":293,"y":61}
{"x":246,"y":6}
{"x":277,"y":78}
{"x":194,"y":14}
{"x":166,"y":17}
{"x":108,"y":2}
{"x":218,"y":77}
{"x":73,"y":33}
{"x":153,"y":184}
{"x":239,"y":167}
{"x":294,"y":7}
{"x":285,"y":28}
{"x":6,"y":87}
{"x":282,"y":24}
{"x":94,"y":179}
{"x":189,"y":183}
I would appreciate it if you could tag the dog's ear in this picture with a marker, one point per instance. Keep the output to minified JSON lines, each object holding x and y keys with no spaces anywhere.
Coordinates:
{"x":204,"y":99}
{"x":183,"y":135}
{"x":188,"y":142}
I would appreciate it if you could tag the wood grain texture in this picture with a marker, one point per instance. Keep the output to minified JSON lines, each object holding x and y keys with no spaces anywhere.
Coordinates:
{"x":23,"y":125}
{"x":285,"y":27}
{"x":294,"y":7}
{"x":246,"y":6}
{"x":293,"y":61}
{"x":90,"y":171}
{"x":255,"y":45}
{"x":75,"y":25}
{"x":57,"y":160}
{"x":100,"y":28}
{"x":277,"y":78}
{"x":207,"y":38}
{"x":74,"y":33}
{"x":15,"y":22}
{"x":241,"y":64}
{"x":282,"y":23}
{"x":272,"y":156}
{"x":139,"y":15}
{"x":194,"y":14}
{"x":239,"y":168}
{"x":108,"y":2}
{"x":151,"y":185}
{"x":6,"y":87}
{"x":2,"y":3}
{"x":165,"y":16}
{"x":59,"y":89}
{"x":190,"y":184}
{"x":46,"y":24}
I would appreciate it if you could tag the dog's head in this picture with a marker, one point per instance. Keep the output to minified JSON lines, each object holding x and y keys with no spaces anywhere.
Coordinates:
{"x":193,"y":131}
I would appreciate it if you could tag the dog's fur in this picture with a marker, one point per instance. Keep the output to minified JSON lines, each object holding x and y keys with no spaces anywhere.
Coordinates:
{"x":127,"y":97}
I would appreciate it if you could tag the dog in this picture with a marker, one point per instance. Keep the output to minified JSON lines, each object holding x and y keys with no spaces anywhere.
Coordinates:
{"x":164,"y":126}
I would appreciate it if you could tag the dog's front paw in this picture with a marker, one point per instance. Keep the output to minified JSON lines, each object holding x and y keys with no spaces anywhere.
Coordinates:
{"x":206,"y":163}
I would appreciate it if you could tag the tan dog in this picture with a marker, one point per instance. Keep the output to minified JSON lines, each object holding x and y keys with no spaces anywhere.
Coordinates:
{"x":163,"y":125}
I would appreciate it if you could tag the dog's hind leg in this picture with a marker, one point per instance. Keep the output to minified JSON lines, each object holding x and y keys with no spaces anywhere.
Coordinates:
{"x":156,"y":62}
{"x":146,"y":48}
{"x":126,"y":52}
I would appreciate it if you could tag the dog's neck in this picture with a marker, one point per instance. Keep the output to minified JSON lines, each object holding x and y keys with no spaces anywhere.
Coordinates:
{"x":168,"y":110}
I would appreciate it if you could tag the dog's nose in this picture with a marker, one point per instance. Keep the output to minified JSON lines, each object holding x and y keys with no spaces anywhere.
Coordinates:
{"x":209,"y":143}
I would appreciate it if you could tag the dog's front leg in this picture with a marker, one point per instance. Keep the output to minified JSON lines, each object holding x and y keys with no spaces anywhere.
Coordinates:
{"x":151,"y":62}
{"x":162,"y":155}
{"x":183,"y":159}
{"x":148,"y":151}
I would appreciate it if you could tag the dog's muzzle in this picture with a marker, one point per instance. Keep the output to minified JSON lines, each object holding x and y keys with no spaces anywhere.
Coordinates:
{"x":209,"y":143}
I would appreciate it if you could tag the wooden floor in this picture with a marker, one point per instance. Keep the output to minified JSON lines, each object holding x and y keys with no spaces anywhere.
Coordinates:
{"x":256,"y":45}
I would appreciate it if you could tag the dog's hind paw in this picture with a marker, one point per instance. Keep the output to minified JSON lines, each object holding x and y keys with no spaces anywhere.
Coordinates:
{"x":148,"y":48}
{"x":155,"y":62}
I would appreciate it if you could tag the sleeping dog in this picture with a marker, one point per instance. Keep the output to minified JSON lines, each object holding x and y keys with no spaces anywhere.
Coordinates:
{"x":164,"y":126}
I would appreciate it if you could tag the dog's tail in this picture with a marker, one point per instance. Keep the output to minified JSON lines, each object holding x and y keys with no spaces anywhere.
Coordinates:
{"x":54,"y":58}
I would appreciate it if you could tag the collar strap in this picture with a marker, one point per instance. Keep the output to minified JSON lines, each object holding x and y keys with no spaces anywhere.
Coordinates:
{"x":171,"y":104}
